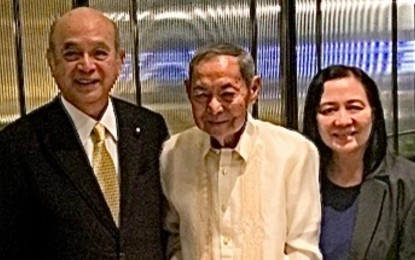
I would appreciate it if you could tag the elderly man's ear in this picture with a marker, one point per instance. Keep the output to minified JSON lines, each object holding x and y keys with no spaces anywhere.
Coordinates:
{"x":187,"y":85}
{"x":254,"y":88}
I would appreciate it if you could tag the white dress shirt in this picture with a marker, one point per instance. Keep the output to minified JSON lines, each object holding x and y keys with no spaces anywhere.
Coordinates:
{"x":258,"y":201}
{"x":85,"y":124}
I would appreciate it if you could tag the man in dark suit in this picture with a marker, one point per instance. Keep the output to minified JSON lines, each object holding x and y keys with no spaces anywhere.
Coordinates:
{"x":51,"y":204}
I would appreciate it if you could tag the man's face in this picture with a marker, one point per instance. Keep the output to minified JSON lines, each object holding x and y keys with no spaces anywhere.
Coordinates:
{"x":84,"y":61}
{"x":220,"y":97}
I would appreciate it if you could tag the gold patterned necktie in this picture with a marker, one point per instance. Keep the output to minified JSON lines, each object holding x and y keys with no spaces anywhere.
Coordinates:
{"x":105,"y":171}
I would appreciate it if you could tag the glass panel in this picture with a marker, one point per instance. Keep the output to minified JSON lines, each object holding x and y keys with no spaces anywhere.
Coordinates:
{"x":270,"y":103}
{"x":9,"y":96}
{"x":37,"y":16}
{"x":354,"y":32}
{"x":170,"y":32}
{"x":119,"y":11}
{"x":306,"y":50}
{"x":406,"y":77}
{"x":358,"y":33}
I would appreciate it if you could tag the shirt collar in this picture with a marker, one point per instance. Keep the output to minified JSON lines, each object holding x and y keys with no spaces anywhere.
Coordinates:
{"x":84,"y":123}
{"x":246,"y":142}
{"x":244,"y":146}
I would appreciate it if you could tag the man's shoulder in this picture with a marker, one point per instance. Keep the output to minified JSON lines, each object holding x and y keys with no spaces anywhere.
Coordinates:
{"x":137,"y":117}
{"x":278,"y":133}
{"x":191,"y":135}
{"x":283,"y":141}
{"x":182,"y":150}
{"x":186,"y":141}
{"x":129,"y":114}
{"x":26,"y":123}
{"x":125,"y":107}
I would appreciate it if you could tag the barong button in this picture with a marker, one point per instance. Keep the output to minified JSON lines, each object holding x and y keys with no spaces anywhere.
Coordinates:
{"x":225,"y":241}
{"x":223,"y":207}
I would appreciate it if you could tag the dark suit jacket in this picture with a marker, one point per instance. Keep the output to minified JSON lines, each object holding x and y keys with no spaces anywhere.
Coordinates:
{"x":51,"y":206}
{"x":385,"y":222}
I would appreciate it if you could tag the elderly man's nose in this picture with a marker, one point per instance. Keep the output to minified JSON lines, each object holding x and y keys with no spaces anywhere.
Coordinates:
{"x":215,"y":106}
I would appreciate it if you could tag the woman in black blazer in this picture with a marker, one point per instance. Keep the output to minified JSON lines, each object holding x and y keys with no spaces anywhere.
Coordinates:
{"x":368,"y":194}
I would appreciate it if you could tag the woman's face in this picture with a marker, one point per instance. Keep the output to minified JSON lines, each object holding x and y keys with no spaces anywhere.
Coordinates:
{"x":344,"y":116}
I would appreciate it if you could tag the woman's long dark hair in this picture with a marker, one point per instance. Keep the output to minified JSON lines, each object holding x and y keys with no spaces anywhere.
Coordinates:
{"x":377,"y":143}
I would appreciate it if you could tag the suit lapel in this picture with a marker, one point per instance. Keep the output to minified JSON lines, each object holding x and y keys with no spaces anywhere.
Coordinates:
{"x":370,"y":206}
{"x":61,"y":140}
{"x":131,"y":156}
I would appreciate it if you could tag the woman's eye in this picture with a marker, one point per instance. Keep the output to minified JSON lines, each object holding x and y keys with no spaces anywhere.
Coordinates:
{"x":355,"y":108}
{"x":326,"y":111}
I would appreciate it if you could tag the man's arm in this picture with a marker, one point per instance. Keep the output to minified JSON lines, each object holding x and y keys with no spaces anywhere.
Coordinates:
{"x":303,"y":206}
{"x":171,"y":221}
{"x":14,"y":204}
{"x":171,"y":225}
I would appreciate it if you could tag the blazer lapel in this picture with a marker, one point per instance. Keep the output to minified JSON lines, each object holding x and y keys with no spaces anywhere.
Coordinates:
{"x":370,"y":206}
{"x":61,"y":140}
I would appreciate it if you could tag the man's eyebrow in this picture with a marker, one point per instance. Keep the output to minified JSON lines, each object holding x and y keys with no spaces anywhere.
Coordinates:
{"x":71,"y":44}
{"x":103,"y":45}
{"x":199,"y":88}
{"x":227,"y":86}
{"x":68,"y":45}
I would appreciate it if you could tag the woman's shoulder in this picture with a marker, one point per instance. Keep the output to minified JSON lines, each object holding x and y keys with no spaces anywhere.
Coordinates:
{"x":399,"y":169}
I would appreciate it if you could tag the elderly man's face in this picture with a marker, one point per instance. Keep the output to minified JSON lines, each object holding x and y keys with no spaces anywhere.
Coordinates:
{"x":84,"y":60}
{"x":220,"y":97}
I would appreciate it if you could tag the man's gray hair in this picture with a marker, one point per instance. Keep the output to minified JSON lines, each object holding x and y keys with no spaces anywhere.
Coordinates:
{"x":245,"y":60}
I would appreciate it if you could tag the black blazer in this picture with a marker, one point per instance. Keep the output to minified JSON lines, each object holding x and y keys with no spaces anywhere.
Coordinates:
{"x":51,"y":206}
{"x":385,"y":221}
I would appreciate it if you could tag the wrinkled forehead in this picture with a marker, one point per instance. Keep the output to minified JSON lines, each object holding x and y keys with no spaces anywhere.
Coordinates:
{"x":218,"y":64}
{"x":222,"y":59}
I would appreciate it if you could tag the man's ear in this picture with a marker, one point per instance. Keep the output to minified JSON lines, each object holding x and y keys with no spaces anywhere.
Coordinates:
{"x":50,"y":56}
{"x":255,"y":88}
{"x":120,"y":59}
{"x":187,"y":85}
